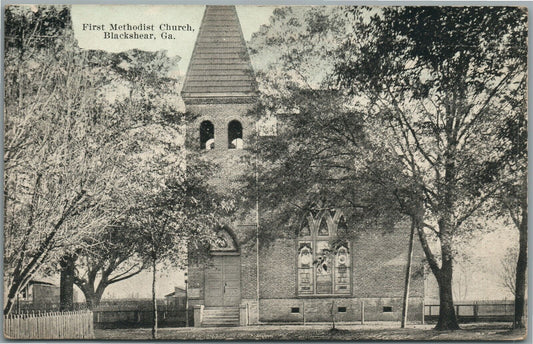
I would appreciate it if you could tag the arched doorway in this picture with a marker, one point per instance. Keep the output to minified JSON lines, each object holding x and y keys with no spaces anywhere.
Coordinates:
{"x":223,"y":273}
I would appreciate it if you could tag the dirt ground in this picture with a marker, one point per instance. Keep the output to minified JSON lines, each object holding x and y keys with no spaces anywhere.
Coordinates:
{"x":370,"y":331}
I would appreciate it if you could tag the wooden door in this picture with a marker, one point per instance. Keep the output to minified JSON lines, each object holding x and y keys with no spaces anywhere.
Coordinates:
{"x":223,"y":281}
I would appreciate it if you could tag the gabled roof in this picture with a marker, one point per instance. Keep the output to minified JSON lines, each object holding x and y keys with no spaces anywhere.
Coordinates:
{"x":176,"y":289}
{"x":220,"y":68}
{"x":35,"y":282}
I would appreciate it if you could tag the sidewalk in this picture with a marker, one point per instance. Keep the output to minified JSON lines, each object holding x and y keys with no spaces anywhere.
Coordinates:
{"x":368,"y":331}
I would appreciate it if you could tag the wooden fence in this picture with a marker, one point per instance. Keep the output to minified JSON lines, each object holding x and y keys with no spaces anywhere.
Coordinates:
{"x":108,"y":318}
{"x":480,"y":311}
{"x":52,"y":325}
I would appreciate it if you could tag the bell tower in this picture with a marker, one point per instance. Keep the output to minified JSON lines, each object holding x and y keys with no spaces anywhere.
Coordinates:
{"x":220,"y":89}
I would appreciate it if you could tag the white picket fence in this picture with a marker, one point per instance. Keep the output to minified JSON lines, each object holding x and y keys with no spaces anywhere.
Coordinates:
{"x":51,"y":325}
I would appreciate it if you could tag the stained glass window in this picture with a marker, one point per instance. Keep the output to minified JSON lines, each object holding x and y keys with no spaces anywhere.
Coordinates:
{"x":322,"y":269}
{"x":305,"y":268}
{"x":342,"y":270}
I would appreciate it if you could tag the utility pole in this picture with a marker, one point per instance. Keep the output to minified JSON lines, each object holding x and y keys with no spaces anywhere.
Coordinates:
{"x":186,"y":300}
{"x":408,"y":275}
{"x":257,"y":216}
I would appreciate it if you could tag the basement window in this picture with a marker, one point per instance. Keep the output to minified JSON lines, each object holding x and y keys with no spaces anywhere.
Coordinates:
{"x":341,"y":309}
{"x":295,"y":310}
{"x":387,"y":309}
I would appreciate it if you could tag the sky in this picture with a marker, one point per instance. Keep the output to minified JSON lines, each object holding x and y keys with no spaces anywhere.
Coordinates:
{"x":251,"y":18}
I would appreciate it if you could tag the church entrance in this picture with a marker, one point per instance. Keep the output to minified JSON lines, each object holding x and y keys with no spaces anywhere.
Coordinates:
{"x":223,"y":281}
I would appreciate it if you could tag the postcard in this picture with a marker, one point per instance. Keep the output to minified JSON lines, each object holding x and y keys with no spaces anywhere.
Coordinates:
{"x":239,"y":172}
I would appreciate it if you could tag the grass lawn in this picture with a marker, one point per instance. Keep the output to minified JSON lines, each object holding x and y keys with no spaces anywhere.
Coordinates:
{"x":375,"y":331}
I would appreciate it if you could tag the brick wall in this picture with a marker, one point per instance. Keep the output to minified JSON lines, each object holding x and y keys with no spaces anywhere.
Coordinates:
{"x":277,"y":270}
{"x":378,"y":263}
{"x":321,"y":309}
{"x":45,"y":294}
{"x":248,"y":273}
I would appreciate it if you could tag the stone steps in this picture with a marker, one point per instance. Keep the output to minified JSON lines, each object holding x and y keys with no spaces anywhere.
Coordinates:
{"x":220,"y":316}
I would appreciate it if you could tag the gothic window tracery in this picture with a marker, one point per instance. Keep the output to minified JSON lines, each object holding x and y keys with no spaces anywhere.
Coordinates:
{"x":305,"y":230}
{"x":323,"y":229}
{"x":323,"y":256}
{"x":342,"y":227}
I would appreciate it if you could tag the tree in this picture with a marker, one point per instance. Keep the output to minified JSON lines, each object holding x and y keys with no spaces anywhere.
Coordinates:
{"x":150,"y":130}
{"x":180,"y":212}
{"x":417,"y":128}
{"x":56,"y":170}
{"x":110,"y":258}
{"x":511,"y":200}
{"x":508,"y":270}
{"x":310,"y":155}
{"x":75,"y":148}
{"x":446,"y":77}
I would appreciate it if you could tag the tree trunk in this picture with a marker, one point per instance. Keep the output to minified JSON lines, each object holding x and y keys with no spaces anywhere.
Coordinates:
{"x":447,"y":316}
{"x":405,"y":306}
{"x":92,"y":298}
{"x":154,"y":301}
{"x":521,"y":271}
{"x":14,"y":290}
{"x":9,"y":305}
{"x":66,"y":284}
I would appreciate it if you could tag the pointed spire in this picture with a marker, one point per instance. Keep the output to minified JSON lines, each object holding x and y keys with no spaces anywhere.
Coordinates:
{"x":220,"y":70}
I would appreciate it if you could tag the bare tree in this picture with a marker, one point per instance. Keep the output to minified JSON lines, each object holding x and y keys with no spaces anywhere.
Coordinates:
{"x":508,"y":270}
{"x":56,"y":170}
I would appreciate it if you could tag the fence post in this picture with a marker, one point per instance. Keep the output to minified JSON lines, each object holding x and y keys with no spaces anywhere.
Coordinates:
{"x":362,"y":312}
{"x":303,"y":311}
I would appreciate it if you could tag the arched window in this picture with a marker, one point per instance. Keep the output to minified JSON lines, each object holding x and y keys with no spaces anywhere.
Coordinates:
{"x":323,"y":229}
{"x":207,"y":135}
{"x":321,"y":242}
{"x":342,"y":227}
{"x":235,"y":135}
{"x":305,"y":230}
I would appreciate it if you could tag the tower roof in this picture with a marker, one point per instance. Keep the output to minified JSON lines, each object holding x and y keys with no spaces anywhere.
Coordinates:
{"x":220,"y":68}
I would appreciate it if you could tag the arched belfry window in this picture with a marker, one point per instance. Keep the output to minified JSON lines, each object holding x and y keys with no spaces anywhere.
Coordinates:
{"x":323,"y":255}
{"x":235,"y":135}
{"x":207,"y":135}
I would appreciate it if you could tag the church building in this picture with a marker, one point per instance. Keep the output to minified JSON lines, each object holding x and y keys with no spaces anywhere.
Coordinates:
{"x":292,"y":280}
